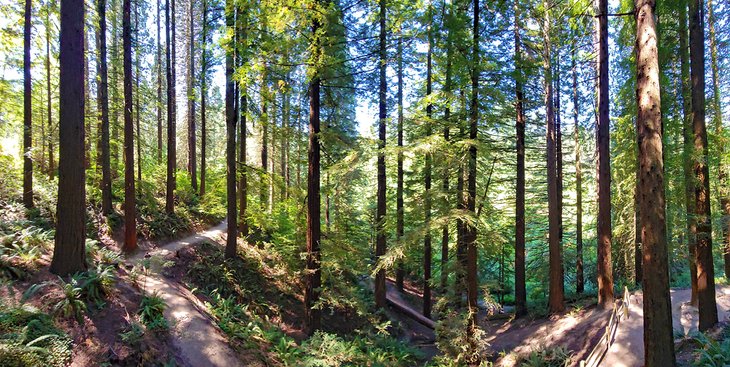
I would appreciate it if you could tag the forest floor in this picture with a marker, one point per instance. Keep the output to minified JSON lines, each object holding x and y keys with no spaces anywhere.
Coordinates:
{"x":628,"y":347}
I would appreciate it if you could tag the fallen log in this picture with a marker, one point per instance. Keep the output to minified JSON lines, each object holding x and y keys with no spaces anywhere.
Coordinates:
{"x":404,"y":309}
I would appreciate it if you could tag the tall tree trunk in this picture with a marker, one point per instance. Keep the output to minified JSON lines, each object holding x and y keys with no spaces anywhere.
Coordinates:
{"x":722,"y":184}
{"x":243,"y":180}
{"x":579,"y":280}
{"x":103,"y":96}
{"x":461,"y":247}
{"x":605,"y":272}
{"x":171,"y":149}
{"x":130,"y":227}
{"x":400,"y":222}
{"x":520,"y":287}
{"x":445,"y":173}
{"x":555,"y":299}
{"x":192,"y":164}
{"x":51,"y":163}
{"x":69,"y":253}
{"x":470,"y":230}
{"x":230,"y":138}
{"x":703,"y":254}
{"x":263,"y":186}
{"x":658,"y":339}
{"x":158,"y":103}
{"x":203,"y":96}
{"x":559,"y":150}
{"x":314,"y":272}
{"x":688,"y":150}
{"x":380,"y":245}
{"x":137,"y":92}
{"x":427,"y":177}
{"x":27,"y":110}
{"x":114,"y":85}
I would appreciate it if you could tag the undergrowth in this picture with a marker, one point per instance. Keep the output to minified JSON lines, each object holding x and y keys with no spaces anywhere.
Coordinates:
{"x":29,"y":337}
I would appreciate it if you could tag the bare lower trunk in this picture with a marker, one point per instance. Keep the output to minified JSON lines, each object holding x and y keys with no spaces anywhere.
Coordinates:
{"x":230,"y":141}
{"x":130,"y":227}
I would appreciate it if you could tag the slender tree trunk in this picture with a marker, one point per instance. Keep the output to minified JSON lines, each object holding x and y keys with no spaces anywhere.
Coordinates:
{"x":243,"y":181}
{"x":114,"y":85}
{"x":703,"y":254}
{"x":158,"y":103}
{"x":579,"y":279}
{"x":51,"y":163}
{"x":658,"y":339}
{"x":27,"y":110}
{"x":470,"y":230}
{"x":722,"y":184}
{"x":380,"y":245}
{"x":445,"y":173}
{"x":555,"y":299}
{"x":264,"y":187}
{"x":688,"y":150}
{"x":400,"y":222}
{"x":230,"y":138}
{"x":605,"y":273}
{"x":192,"y":164}
{"x":559,"y":151}
{"x":69,"y":253}
{"x":314,"y":272}
{"x":103,"y":96}
{"x":520,"y":287}
{"x":171,"y":149}
{"x":203,"y":96}
{"x":130,"y":227}
{"x":137,"y":92}
{"x":461,"y":247}
{"x":427,"y":179}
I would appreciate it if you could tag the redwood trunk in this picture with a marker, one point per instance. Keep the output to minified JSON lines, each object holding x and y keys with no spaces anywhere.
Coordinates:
{"x":69,"y":253}
{"x":399,"y":227}
{"x":170,"y":50}
{"x":427,"y":181}
{"x":103,"y":96}
{"x":520,"y":287}
{"x":579,"y":278}
{"x":203,"y":97}
{"x":192,"y":163}
{"x":380,"y":245}
{"x":230,"y":140}
{"x":27,"y":109}
{"x":658,"y":339}
{"x":130,"y":228}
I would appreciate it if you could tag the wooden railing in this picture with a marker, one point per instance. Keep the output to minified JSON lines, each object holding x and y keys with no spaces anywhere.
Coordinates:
{"x":620,"y":311}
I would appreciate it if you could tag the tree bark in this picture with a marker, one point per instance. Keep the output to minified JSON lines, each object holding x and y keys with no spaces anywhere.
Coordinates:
{"x":103,"y":96}
{"x":243,"y":180}
{"x":51,"y":163}
{"x":130,"y":227}
{"x":658,"y":339}
{"x":470,"y":230}
{"x":203,"y":97}
{"x":27,"y":110}
{"x":427,"y":177}
{"x":263,"y":185}
{"x":192,"y":163}
{"x":556,"y":291}
{"x":137,"y":93}
{"x":69,"y":253}
{"x":688,"y":150}
{"x":520,"y":287}
{"x":314,"y":273}
{"x":171,"y":149}
{"x":605,"y":272}
{"x":380,"y":245}
{"x":158,"y":103}
{"x":703,"y":254}
{"x":232,"y":227}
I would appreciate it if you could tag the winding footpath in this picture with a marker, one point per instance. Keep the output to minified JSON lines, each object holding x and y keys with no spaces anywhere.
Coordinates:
{"x":195,"y":336}
{"x":628,"y":347}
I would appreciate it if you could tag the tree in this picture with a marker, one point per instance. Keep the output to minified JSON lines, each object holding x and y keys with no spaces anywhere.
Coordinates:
{"x":688,"y":149}
{"x":103,"y":102}
{"x":158,"y":103}
{"x":51,"y":164}
{"x":399,"y":222}
{"x":313,"y":273}
{"x":427,"y":175}
{"x":658,"y":339}
{"x":520,"y":288}
{"x":603,"y":141}
{"x":203,"y":98}
{"x":447,"y":122}
{"x":556,"y":292}
{"x":232,"y":226}
{"x":380,"y":245}
{"x":703,"y":252}
{"x":192,"y":164}
{"x":171,"y":130}
{"x":130,"y":227}
{"x":69,"y":251}
{"x":27,"y":109}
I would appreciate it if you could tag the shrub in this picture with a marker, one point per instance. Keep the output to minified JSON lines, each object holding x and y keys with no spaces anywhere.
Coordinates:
{"x":29,"y":337}
{"x":151,"y":310}
{"x":546,"y":357}
{"x":712,"y":353}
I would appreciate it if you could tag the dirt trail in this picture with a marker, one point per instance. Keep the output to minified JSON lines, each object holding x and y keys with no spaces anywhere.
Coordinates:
{"x":628,"y":347}
{"x":195,"y":336}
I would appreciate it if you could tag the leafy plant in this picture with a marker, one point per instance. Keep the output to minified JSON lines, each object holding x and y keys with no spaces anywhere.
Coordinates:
{"x":151,"y":310}
{"x":712,"y":353}
{"x":70,"y":304}
{"x":30,"y":338}
{"x":96,"y":283}
{"x":546,"y":357}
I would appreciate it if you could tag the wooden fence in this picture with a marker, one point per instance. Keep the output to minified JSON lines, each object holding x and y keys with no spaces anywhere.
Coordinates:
{"x":620,"y":311}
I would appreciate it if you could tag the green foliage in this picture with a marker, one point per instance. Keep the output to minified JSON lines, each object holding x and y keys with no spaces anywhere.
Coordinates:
{"x":151,"y":310}
{"x":546,"y":357}
{"x":70,"y":303}
{"x":29,"y":338}
{"x":21,"y":250}
{"x":97,"y":282}
{"x":712,"y":353}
